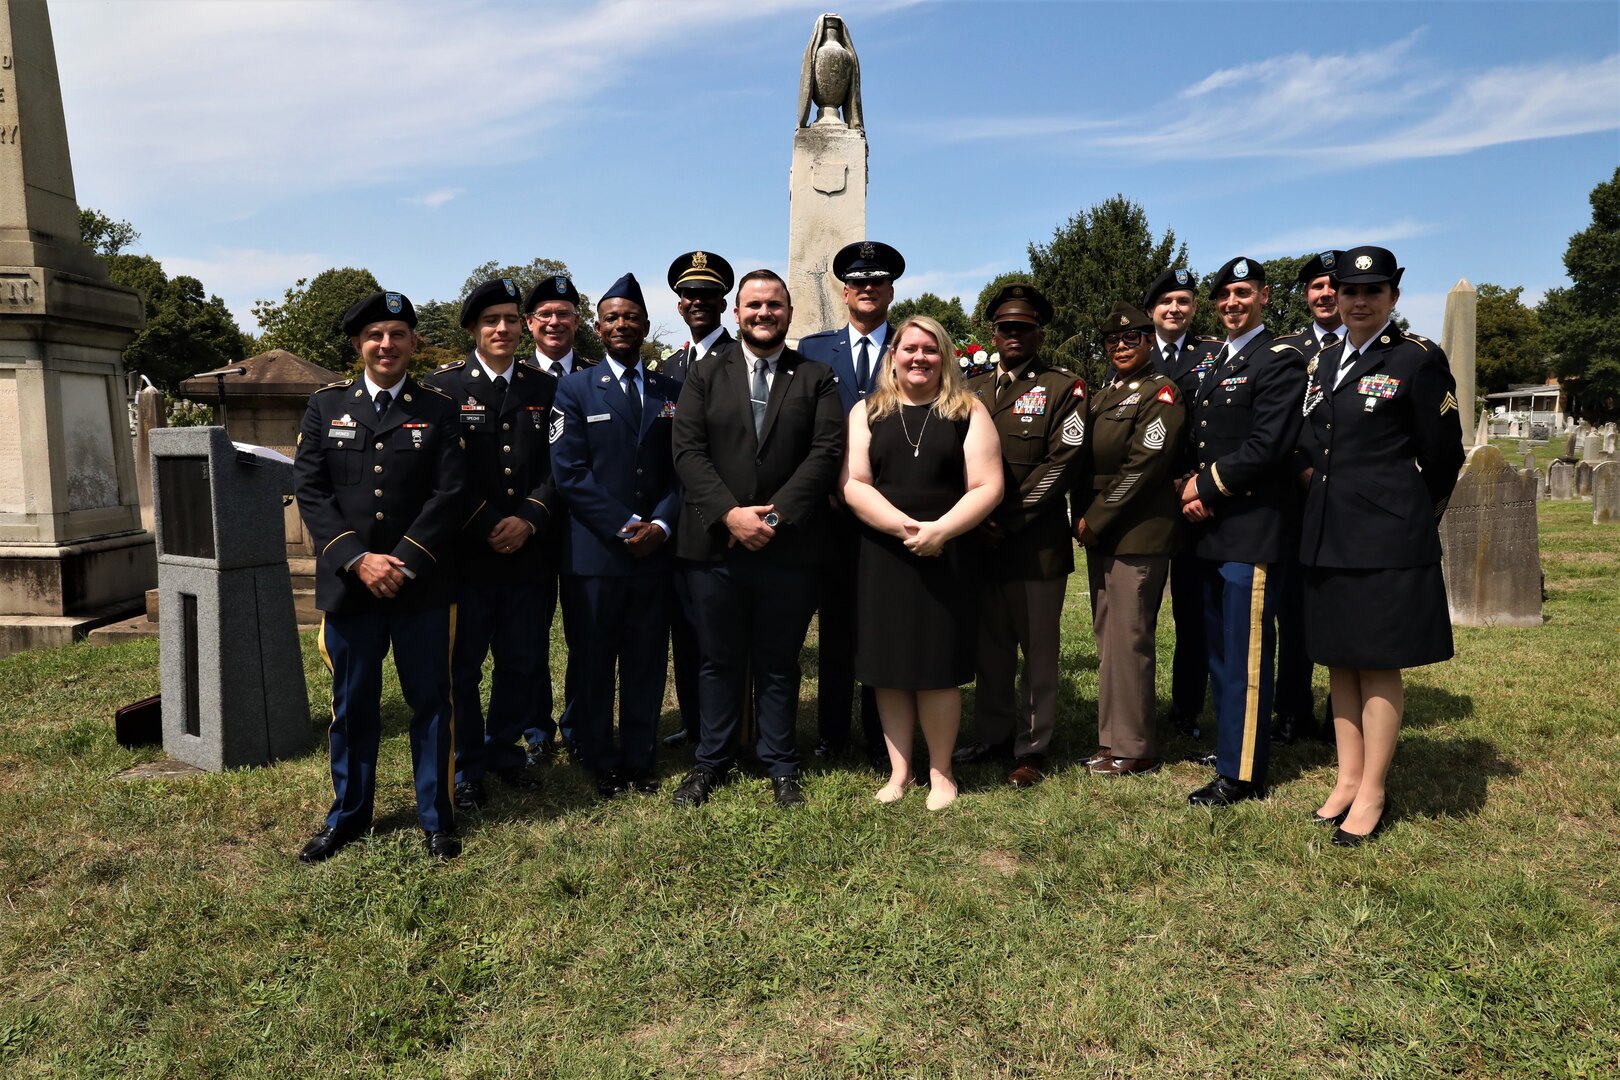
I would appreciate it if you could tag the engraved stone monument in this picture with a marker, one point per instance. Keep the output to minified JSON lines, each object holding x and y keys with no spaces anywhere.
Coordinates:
{"x":233,"y":674}
{"x":1583,"y":479}
{"x":1490,"y":544}
{"x":1457,"y":339}
{"x":1606,"y":493}
{"x":73,"y":553}
{"x":827,"y":185}
{"x":1561,"y":481}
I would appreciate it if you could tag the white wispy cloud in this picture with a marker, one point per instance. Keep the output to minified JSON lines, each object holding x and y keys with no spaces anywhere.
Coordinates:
{"x":1324,"y":237}
{"x":962,"y":284}
{"x":432,"y":199}
{"x":245,"y":273}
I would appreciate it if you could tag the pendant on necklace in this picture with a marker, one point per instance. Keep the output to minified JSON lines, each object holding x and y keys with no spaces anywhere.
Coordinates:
{"x":915,"y":450}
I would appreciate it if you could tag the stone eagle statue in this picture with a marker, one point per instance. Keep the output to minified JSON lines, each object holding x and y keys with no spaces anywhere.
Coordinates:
{"x":831,"y":78}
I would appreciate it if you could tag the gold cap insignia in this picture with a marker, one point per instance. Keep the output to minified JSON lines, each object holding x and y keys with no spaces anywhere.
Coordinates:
{"x":700,"y":261}
{"x":1363,"y":262}
{"x":1124,"y":320}
{"x":867,"y":250}
{"x":1018,"y":290}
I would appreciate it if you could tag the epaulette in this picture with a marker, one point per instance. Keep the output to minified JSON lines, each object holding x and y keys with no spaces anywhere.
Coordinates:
{"x":1283,"y":346}
{"x":527,"y":362}
{"x":451,"y":366}
{"x":1210,"y":340}
{"x":434,"y":389}
{"x":336,"y":385}
{"x":1422,"y":341}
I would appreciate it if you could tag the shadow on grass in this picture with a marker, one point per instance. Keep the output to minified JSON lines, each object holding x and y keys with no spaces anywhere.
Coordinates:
{"x":1441,"y":777}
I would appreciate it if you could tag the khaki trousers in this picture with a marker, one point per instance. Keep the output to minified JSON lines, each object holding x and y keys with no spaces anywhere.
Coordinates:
{"x":1018,"y":616}
{"x":1126,"y":591}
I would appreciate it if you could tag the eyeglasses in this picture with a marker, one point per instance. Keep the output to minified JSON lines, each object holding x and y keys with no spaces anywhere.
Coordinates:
{"x":1012,"y":329}
{"x":1130,"y":338}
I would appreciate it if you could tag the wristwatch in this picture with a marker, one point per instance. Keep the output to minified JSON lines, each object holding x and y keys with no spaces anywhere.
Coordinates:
{"x":773,"y":519}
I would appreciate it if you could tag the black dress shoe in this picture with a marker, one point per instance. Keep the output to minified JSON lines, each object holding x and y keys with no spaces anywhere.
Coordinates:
{"x":323,"y":845}
{"x":1207,"y":758}
{"x":611,"y":783}
{"x":442,"y":845}
{"x":678,"y":738}
{"x":979,"y":751}
{"x":1336,"y":819}
{"x":825,"y":748}
{"x":518,"y":777}
{"x":470,"y":795}
{"x":1350,"y":839}
{"x":645,"y":781}
{"x":788,"y":792}
{"x":1224,"y":792}
{"x":697,"y":787}
{"x":540,"y":754}
{"x":1184,"y":723}
{"x":1285,"y":731}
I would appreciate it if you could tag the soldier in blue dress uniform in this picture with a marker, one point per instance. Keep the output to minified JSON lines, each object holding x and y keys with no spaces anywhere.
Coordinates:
{"x":378,"y":476}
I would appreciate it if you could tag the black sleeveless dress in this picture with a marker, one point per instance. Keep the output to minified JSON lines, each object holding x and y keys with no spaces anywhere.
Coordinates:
{"x":916,"y":628}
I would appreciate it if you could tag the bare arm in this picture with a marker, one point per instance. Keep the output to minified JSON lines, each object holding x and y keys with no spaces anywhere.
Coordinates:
{"x":856,"y":481}
{"x":981,"y":453}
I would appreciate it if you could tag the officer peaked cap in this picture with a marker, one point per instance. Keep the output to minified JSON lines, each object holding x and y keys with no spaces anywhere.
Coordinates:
{"x":867,"y":260}
{"x":1022,"y":301}
{"x":1123,"y":318}
{"x":701,"y":270}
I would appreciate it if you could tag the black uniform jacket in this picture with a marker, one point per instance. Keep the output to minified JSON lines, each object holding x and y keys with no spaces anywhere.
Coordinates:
{"x":1385,"y":448}
{"x":1195,"y":357}
{"x":508,"y":462}
{"x":1137,"y":429}
{"x":391,"y":486}
{"x":680,"y":361}
{"x":1041,"y":421}
{"x":792,"y":465}
{"x":1245,"y":420}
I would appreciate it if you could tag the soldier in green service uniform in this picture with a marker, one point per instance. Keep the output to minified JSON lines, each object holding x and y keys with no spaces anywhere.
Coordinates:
{"x":1040,"y":413}
{"x":1129,"y":520}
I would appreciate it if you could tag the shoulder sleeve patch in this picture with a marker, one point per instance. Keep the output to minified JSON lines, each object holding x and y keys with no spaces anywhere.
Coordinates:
{"x":1166,"y":395}
{"x":1080,"y":389}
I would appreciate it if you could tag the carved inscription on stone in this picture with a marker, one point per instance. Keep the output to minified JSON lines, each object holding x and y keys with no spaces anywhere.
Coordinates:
{"x":1491,"y":544}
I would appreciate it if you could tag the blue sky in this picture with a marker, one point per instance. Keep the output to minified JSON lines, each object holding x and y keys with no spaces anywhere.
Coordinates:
{"x":256,"y":142}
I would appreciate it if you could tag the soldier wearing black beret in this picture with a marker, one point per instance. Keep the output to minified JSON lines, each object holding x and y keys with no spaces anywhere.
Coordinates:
{"x":507,"y":564}
{"x":378,"y":476}
{"x":1244,"y":508}
{"x":1039,"y":410}
{"x":1379,"y":454}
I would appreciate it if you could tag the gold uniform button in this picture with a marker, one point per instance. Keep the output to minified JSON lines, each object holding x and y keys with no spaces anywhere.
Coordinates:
{"x":376,"y":468}
{"x":506,"y":449}
{"x":506,"y":427}
{"x":1203,"y":423}
{"x":379,"y":446}
{"x":509,"y":491}
{"x":1200,"y":446}
{"x":508,"y":472}
{"x":379,"y":515}
{"x":378,"y":493}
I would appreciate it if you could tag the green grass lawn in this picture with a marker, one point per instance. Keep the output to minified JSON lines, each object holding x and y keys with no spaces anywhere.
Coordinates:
{"x":1086,"y":927}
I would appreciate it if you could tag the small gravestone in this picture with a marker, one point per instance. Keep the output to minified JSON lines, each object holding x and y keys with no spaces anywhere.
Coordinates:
{"x":1606,"y":493}
{"x":1526,"y":446}
{"x":1561,"y":481}
{"x":1610,"y":442}
{"x":1541,"y":484}
{"x":1529,"y":460}
{"x":1583,"y":479}
{"x":1591,"y":446}
{"x":1490,"y":544}
{"x":1571,"y":444}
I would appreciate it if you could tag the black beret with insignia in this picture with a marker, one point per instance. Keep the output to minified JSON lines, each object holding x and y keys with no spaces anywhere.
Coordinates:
{"x":487,"y":294}
{"x":1321,"y":263}
{"x":1368,"y":266}
{"x":626,"y":288}
{"x":379,"y":307}
{"x":1176,"y":279}
{"x":702,"y":270}
{"x":868,"y":260}
{"x":1239,"y":269}
{"x":556,"y":287}
{"x":1124,"y":318}
{"x":1019,"y":301}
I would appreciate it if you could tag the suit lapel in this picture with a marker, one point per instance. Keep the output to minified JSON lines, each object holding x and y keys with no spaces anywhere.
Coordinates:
{"x":1022,"y":381}
{"x":1369,"y":358}
{"x":651,"y":402}
{"x":611,"y":394}
{"x":785,"y":365}
{"x":402,"y":408}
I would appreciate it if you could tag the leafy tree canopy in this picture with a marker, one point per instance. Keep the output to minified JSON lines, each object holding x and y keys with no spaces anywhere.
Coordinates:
{"x":103,"y":235}
{"x":186,"y":330}
{"x":1582,"y":322}
{"x":950,"y":313}
{"x":1509,"y":347}
{"x":309,"y":319}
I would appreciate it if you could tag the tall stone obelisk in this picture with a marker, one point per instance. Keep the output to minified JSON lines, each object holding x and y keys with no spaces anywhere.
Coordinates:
{"x":827,"y":187}
{"x":72,"y":550}
{"x":1457,"y":339}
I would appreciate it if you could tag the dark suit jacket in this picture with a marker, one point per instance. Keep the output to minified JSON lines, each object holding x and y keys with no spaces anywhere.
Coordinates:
{"x":831,"y":347}
{"x":1245,"y":422}
{"x":610,"y":465}
{"x":508,"y":463}
{"x":793,"y":465}
{"x":1395,"y":437}
{"x":680,"y":360}
{"x":391,"y":486}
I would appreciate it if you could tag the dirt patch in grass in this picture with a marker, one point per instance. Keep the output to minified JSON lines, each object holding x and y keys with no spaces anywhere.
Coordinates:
{"x":1002,"y":862}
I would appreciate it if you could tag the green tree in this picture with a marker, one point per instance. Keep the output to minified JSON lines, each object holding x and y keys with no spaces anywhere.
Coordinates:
{"x":982,"y":329}
{"x":950,"y":313}
{"x":1287,"y":310}
{"x":186,"y":330}
{"x":439,"y":321}
{"x":103,"y":235}
{"x":1508,"y":342}
{"x":1582,"y":322}
{"x":1104,"y":254}
{"x":309,"y":319}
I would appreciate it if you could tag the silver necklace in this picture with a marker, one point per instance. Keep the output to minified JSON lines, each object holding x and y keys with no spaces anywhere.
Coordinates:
{"x":916,"y":447}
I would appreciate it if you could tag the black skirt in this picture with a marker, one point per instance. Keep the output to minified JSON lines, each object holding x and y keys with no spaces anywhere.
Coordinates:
{"x":1377,"y":620}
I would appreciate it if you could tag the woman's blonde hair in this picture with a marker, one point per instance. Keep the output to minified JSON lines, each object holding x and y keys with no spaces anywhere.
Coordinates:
{"x":955,"y":400}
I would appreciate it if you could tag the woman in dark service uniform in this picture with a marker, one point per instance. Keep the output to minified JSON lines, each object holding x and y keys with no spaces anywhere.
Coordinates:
{"x":1130,"y":523}
{"x":1380,"y":450}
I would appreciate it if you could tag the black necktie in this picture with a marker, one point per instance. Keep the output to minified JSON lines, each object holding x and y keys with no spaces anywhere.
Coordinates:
{"x":1003,"y":381}
{"x":631,"y":392}
{"x":500,"y":388}
{"x":1170,"y":357}
{"x":383,"y":399}
{"x":759,"y":394}
{"x":1329,"y":340}
{"x":863,"y":365}
{"x":557,"y":369}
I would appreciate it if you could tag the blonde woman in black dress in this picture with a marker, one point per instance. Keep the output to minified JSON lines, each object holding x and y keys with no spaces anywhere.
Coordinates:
{"x":923,"y":470}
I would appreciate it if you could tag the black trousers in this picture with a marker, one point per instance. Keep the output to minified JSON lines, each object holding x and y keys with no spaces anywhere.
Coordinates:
{"x":835,"y":669}
{"x":624,"y":637}
{"x":1189,"y":672}
{"x":751,"y":617}
{"x":683,"y":642}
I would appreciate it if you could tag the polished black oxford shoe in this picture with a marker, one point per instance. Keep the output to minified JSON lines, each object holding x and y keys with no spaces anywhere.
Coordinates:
{"x":1223,"y":791}
{"x":470,"y":795}
{"x":540,"y":754}
{"x":676,"y":738}
{"x":610,"y":784}
{"x":646,"y":782}
{"x":323,"y":845}
{"x":788,"y":792}
{"x":697,"y":787}
{"x":519,"y":778}
{"x":441,"y":844}
{"x":980,"y":751}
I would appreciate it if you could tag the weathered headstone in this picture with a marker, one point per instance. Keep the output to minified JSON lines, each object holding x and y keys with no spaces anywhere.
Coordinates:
{"x":827,"y":185}
{"x":1491,"y":545}
{"x":1611,"y":443}
{"x":1572,"y":443}
{"x":148,"y":415}
{"x":1529,"y":460}
{"x":1482,"y":433}
{"x":1583,"y":479}
{"x":73,"y":553}
{"x":1541,"y":484}
{"x":1591,"y":446}
{"x":1457,"y":339}
{"x":1606,"y":494}
{"x":1561,"y":481}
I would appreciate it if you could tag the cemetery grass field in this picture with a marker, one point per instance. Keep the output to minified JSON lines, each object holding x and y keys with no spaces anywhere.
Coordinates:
{"x":1086,"y":927}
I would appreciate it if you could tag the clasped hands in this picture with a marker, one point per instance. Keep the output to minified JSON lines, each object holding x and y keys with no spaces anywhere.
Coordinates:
{"x":748,"y":528}
{"x":509,"y":535}
{"x":382,"y":574}
{"x":1193,"y":507}
{"x":924,"y":538}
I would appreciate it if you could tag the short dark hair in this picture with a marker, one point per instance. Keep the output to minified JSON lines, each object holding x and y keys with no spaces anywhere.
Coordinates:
{"x":765,"y":275}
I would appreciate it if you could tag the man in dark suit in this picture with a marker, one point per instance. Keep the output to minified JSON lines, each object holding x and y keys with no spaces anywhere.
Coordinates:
{"x":856,"y":354}
{"x":1295,"y":704}
{"x":378,"y":476}
{"x":552,"y":312}
{"x":506,"y":564}
{"x":759,"y":438}
{"x":610,"y":456}
{"x":1172,"y":302}
{"x":1245,"y":506}
{"x":700,"y":281}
